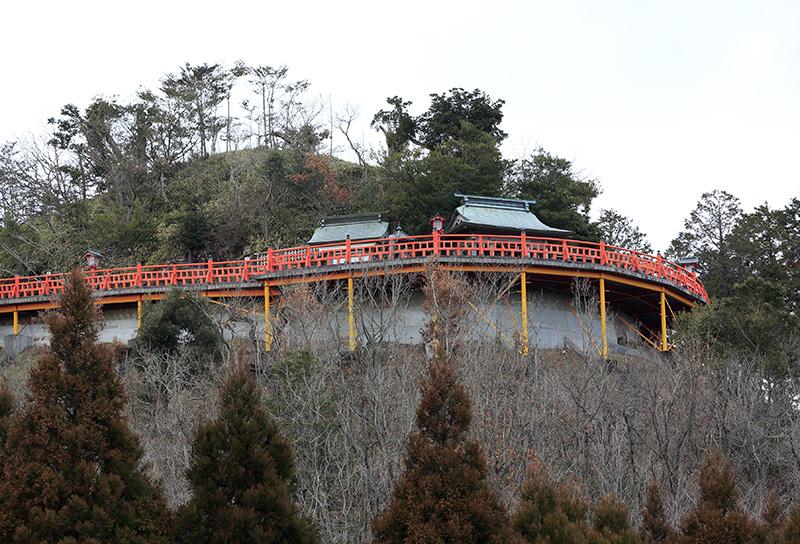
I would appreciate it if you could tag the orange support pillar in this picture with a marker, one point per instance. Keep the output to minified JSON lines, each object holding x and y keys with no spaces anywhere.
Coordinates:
{"x":523,"y":280}
{"x":139,"y":314}
{"x":351,"y":320}
{"x":664,"y":345}
{"x":603,"y":316}
{"x":267,"y":321}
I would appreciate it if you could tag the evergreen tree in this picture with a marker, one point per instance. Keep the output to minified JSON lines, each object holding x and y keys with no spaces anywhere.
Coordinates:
{"x":707,"y":234}
{"x":655,"y":527}
{"x":7,"y":405}
{"x":240,"y":473}
{"x":71,"y":470}
{"x":180,"y":323}
{"x":791,"y":527}
{"x":443,"y":495}
{"x":563,"y":197}
{"x":611,"y":523}
{"x":772,"y":516}
{"x":618,"y":230}
{"x":550,"y":513}
{"x":717,"y":517}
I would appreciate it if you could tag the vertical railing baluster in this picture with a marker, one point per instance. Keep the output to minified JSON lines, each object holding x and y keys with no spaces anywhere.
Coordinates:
{"x":210,"y":272}
{"x":524,"y":241}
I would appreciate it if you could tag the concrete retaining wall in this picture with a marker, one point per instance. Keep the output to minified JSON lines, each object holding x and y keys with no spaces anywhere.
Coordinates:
{"x":551,"y":324}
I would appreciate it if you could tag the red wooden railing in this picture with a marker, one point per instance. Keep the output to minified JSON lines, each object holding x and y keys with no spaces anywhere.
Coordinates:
{"x":376,"y":251}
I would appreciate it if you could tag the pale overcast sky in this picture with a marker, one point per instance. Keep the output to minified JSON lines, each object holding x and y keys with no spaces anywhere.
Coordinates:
{"x":660,"y":101}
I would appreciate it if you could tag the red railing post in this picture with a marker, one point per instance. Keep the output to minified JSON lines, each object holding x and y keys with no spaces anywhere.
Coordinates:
{"x":46,"y":289}
{"x":15,"y":289}
{"x":210,"y":272}
{"x":603,"y":256}
{"x":564,"y":250}
{"x":173,"y":277}
{"x":269,"y":259}
{"x":246,"y":270}
{"x":524,"y":240}
{"x":308,"y":256}
{"x":138,"y":277}
{"x":659,"y":266}
{"x":436,"y":243}
{"x":347,"y":250}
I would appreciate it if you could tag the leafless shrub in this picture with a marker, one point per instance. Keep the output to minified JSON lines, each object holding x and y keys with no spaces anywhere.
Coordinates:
{"x":612,"y":426}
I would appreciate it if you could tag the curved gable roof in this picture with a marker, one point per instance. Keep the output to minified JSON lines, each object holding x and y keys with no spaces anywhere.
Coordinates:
{"x":498,"y":213}
{"x":357,"y":227}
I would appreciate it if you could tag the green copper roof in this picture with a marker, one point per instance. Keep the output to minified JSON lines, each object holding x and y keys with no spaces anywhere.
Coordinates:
{"x":357,"y":227}
{"x":500,"y":214}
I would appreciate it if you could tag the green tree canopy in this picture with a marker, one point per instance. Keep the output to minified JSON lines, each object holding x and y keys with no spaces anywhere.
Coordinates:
{"x":563,"y":197}
{"x":398,"y":126}
{"x":449,"y":114}
{"x":180,"y":322}
{"x":445,"y":120}
{"x":619,"y":230}
{"x":241,"y":474}
{"x":707,"y":235}
{"x":425,"y":185}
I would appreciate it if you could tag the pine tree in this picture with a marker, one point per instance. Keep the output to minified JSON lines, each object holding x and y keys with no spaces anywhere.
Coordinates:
{"x":71,"y":470}
{"x":443,"y":495}
{"x":655,"y":527}
{"x":791,"y":527}
{"x":717,"y":517}
{"x":772,"y":516}
{"x":611,"y":523}
{"x":550,"y":513}
{"x":240,"y":473}
{"x":7,"y":405}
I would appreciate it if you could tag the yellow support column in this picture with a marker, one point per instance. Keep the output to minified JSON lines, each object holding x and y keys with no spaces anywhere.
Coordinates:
{"x":267,"y":321}
{"x":139,"y":314}
{"x":664,"y":345}
{"x":351,"y":320}
{"x":603,"y":316}
{"x":524,"y":298}
{"x":16,"y":323}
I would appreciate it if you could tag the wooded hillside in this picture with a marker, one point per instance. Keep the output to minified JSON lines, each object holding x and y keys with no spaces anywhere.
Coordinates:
{"x":556,"y":444}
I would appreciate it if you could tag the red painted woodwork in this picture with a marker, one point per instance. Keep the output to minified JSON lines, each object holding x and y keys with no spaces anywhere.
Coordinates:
{"x":381,"y":250}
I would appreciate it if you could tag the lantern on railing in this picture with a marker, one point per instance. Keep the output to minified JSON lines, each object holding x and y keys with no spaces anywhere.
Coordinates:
{"x":93,"y":259}
{"x":690,"y":263}
{"x":437,"y":223}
